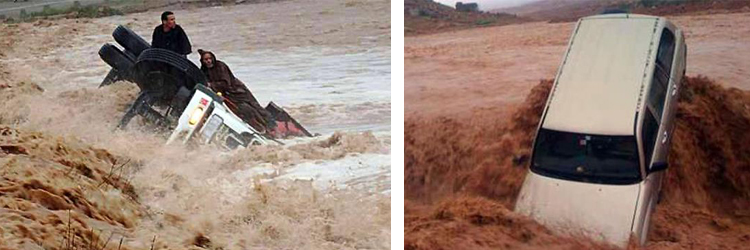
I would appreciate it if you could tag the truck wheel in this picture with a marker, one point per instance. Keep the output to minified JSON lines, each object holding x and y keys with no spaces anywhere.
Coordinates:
{"x":170,"y":63}
{"x":115,"y":58}
{"x":132,"y":57}
{"x":130,"y":40}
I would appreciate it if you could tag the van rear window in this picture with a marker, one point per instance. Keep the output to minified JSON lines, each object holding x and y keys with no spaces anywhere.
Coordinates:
{"x":604,"y":159}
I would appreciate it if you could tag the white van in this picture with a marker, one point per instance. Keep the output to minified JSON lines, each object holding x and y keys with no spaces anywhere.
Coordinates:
{"x":600,"y":151}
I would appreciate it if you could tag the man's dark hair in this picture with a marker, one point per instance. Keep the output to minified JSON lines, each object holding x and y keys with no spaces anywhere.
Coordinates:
{"x":165,"y":14}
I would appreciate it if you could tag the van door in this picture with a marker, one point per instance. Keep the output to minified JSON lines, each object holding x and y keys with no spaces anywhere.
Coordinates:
{"x":654,"y":131}
{"x":675,"y":83}
{"x":658,"y":97}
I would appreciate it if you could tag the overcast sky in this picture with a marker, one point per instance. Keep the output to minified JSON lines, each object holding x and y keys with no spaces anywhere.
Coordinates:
{"x":488,"y":4}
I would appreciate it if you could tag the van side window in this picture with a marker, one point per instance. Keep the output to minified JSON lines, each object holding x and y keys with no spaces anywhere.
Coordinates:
{"x":649,"y":132}
{"x":660,"y":82}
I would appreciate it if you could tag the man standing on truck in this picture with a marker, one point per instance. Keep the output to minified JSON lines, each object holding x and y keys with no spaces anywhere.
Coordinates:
{"x":171,"y":36}
{"x":240,"y":100}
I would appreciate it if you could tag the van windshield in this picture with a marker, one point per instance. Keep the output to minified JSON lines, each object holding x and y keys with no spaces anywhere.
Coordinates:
{"x":590,"y":158}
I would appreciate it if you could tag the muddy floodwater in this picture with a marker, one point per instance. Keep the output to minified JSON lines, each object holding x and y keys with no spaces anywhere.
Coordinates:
{"x":326,"y":62}
{"x":473,"y":103}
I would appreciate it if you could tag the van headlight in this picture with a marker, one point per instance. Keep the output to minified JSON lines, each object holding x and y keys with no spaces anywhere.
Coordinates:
{"x":196,"y":116}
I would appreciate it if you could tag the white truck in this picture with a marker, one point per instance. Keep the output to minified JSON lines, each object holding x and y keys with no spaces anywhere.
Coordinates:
{"x":173,"y":95}
{"x":207,"y":119}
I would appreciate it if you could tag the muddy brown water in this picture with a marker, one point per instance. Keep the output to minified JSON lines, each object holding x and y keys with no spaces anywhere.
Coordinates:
{"x":473,"y":95}
{"x":60,"y":152}
{"x":461,"y":192}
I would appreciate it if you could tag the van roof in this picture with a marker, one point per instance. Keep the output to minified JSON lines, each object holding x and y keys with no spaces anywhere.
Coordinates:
{"x":600,"y":81}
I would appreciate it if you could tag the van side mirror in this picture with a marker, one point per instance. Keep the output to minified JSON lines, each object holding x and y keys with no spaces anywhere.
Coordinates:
{"x":659,"y":166}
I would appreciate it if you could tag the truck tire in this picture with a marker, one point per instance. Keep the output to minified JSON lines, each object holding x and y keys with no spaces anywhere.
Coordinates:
{"x":161,"y":59}
{"x":130,"y":40}
{"x":130,"y":55}
{"x":115,"y":75}
{"x":115,"y":58}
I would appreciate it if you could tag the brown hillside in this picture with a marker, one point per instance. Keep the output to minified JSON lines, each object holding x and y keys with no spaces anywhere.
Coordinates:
{"x":426,"y":17}
{"x":571,"y":10}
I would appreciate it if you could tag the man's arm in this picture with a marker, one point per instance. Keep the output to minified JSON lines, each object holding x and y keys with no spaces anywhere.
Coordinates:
{"x":219,"y":86}
{"x":221,"y":81}
{"x":186,"y":48}
{"x":156,"y":38}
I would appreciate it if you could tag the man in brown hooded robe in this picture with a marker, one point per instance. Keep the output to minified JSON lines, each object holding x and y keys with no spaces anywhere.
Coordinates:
{"x":241,"y":100}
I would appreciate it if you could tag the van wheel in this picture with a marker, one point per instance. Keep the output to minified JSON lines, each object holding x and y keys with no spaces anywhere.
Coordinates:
{"x":130,"y":40}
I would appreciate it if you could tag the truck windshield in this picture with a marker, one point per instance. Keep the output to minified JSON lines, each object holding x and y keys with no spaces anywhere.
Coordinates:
{"x":590,"y":158}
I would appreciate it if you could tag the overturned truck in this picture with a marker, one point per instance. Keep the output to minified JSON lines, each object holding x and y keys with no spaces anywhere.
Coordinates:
{"x":174,"y":95}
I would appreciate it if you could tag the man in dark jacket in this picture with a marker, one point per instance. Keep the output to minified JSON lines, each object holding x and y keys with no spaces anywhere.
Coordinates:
{"x":241,"y":100}
{"x":170,"y":36}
